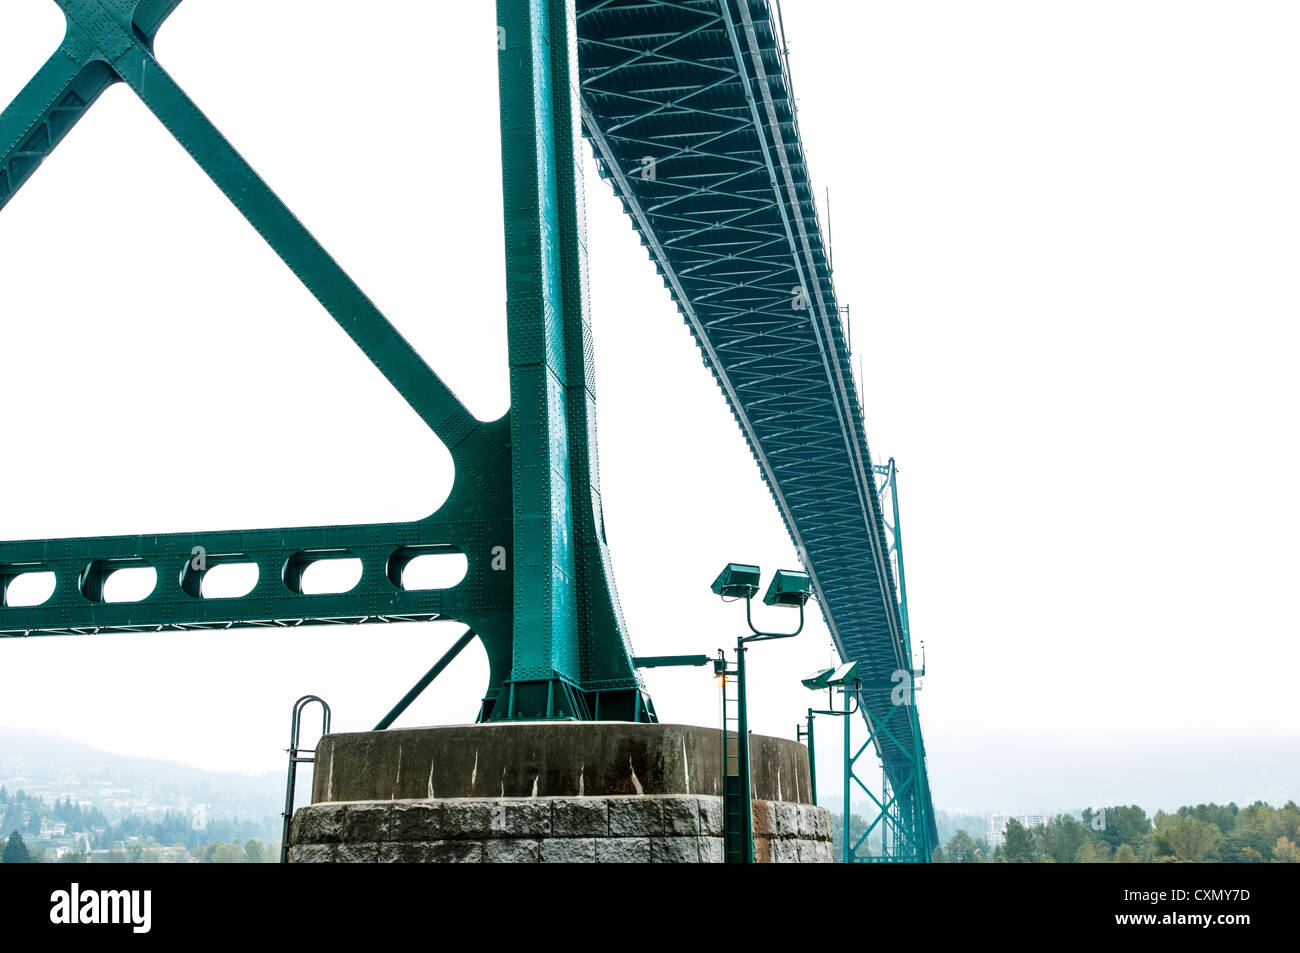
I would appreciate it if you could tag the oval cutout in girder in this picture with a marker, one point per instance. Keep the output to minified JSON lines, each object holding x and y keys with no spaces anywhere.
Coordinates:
{"x":229,"y":580}
{"x":130,"y":584}
{"x":434,"y":571}
{"x":29,"y":589}
{"x":329,"y":576}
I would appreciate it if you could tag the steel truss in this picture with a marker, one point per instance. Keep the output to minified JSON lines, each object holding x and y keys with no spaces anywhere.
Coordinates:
{"x":904,"y":813}
{"x":690,"y":109}
{"x":525,"y":506}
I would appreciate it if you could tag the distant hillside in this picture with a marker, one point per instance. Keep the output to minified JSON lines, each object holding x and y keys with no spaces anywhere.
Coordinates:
{"x":50,"y":766}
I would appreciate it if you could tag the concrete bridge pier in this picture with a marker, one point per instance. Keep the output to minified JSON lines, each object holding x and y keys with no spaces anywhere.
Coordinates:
{"x":544,"y":792}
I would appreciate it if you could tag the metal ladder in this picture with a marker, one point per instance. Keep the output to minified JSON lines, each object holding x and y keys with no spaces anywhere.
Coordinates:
{"x":296,"y":757}
{"x":733,"y":821}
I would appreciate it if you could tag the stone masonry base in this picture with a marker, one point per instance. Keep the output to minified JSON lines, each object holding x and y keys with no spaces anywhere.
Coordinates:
{"x":607,"y":829}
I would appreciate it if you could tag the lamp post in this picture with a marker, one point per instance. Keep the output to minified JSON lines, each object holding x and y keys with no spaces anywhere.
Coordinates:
{"x":788,"y":588}
{"x":830,"y":679}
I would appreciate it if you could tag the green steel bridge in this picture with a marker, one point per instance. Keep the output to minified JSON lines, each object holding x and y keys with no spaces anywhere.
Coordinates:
{"x":689,"y":107}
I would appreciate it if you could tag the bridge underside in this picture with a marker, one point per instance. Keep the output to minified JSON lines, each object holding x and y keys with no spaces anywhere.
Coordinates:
{"x":690,"y":110}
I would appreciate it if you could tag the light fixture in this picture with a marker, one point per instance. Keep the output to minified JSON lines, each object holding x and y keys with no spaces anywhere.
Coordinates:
{"x":818,"y":680}
{"x":789,"y":587}
{"x":737,"y":581}
{"x":846,"y":673}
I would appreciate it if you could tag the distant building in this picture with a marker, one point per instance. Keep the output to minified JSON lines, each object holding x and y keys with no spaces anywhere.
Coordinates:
{"x":998,"y":824}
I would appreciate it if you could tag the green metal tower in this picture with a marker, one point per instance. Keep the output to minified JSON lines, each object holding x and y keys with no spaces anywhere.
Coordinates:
{"x":525,"y":507}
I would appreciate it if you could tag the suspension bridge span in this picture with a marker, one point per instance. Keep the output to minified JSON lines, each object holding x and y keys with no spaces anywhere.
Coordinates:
{"x":690,"y":108}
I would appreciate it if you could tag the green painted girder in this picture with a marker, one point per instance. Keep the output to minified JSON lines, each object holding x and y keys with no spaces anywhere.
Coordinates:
{"x":905,"y":807}
{"x":691,"y":110}
{"x":525,"y":504}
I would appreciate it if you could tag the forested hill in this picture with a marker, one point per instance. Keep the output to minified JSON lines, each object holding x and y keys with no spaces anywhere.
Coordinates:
{"x":55,"y":768}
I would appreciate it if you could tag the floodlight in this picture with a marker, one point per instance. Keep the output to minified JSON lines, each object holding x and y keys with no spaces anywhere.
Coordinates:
{"x":737,"y":581}
{"x":818,"y":680}
{"x":848,"y":672}
{"x":789,"y":587}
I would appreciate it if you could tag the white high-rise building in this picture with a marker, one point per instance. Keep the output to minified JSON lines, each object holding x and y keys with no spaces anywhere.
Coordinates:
{"x":998,"y":824}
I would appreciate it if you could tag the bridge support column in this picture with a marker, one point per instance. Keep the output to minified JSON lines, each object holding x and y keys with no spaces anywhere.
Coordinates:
{"x":571,"y":657}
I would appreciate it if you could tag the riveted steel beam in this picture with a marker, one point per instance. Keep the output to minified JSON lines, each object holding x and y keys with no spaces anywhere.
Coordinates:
{"x":524,"y":508}
{"x":690,"y":108}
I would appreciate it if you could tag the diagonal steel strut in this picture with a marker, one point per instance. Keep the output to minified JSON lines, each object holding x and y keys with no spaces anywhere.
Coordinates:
{"x":525,"y":505}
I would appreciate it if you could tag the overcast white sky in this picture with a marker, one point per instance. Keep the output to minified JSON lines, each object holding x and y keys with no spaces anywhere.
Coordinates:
{"x":1069,"y":234}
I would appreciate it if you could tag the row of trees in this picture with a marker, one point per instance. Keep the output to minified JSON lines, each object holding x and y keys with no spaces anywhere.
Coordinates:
{"x":24,"y":813}
{"x":180,"y":829}
{"x":1207,"y":832}
{"x":252,"y":851}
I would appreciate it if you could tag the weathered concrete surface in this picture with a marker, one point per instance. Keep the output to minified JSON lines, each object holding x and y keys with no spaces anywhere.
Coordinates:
{"x":549,"y":792}
{"x":634,"y":828}
{"x":547,"y":759}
